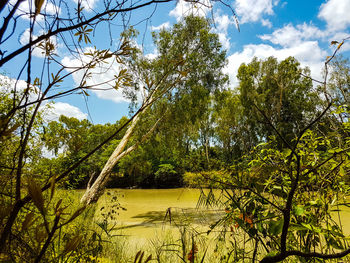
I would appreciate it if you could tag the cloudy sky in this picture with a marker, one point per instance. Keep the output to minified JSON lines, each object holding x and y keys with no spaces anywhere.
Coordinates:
{"x":303,"y":29}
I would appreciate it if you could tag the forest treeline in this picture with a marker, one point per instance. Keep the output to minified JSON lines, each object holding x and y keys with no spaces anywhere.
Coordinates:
{"x":202,"y":132}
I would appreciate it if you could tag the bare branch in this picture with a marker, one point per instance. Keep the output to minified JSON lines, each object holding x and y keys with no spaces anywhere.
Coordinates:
{"x":73,"y":27}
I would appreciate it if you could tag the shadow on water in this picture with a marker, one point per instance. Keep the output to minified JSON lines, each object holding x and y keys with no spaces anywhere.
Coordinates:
{"x":175,"y":217}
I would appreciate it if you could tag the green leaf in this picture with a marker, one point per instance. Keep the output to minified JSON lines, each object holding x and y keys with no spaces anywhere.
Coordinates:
{"x":72,"y":244}
{"x":36,"y":194}
{"x":27,"y":221}
{"x":286,"y":152}
{"x":275,"y":227}
{"x":296,"y":227}
{"x":312,"y":202}
{"x":307,"y":226}
{"x":299,"y":210}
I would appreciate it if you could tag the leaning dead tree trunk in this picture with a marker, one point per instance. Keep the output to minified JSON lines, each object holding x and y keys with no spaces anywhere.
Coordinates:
{"x":92,"y":193}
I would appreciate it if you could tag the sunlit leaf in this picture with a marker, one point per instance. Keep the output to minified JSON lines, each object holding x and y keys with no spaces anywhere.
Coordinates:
{"x":38,"y":5}
{"x":27,"y":221}
{"x":72,"y":244}
{"x":340,"y":44}
{"x":299,"y":210}
{"x":36,"y":194}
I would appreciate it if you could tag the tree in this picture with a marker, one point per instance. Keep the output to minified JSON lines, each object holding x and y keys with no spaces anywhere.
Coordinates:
{"x":186,"y":122}
{"x":230,"y":131}
{"x":282,"y":90}
{"x":282,"y":200}
{"x":339,"y":80}
{"x":177,"y":78}
{"x":188,"y":119}
{"x":152,"y":90}
{"x":338,"y":90}
{"x":70,"y":139}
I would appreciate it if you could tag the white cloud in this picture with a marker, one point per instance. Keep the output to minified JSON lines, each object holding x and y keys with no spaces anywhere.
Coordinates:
{"x":8,"y":85}
{"x":336,"y":14}
{"x":160,"y":27}
{"x":224,"y":40}
{"x":266,"y":22}
{"x":152,"y":55}
{"x":25,"y":8}
{"x":184,"y":8}
{"x":55,"y":110}
{"x":102,"y":73}
{"x":88,"y":5}
{"x":254,"y":10}
{"x":290,"y":36}
{"x":222,"y":22}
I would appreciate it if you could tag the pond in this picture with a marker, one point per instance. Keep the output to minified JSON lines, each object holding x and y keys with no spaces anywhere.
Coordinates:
{"x":152,"y":212}
{"x":147,"y":212}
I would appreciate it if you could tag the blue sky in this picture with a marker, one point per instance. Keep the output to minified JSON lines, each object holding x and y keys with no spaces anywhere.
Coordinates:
{"x":303,"y":29}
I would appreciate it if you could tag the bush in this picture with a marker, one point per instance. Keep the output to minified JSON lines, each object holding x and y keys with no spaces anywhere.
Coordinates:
{"x":204,"y":179}
{"x":166,"y":176}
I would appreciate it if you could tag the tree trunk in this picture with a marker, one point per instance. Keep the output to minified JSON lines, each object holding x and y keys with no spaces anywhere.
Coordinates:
{"x":95,"y":191}
{"x":207,"y":150}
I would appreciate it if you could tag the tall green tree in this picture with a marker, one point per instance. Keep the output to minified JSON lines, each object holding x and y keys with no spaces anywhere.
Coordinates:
{"x":280,"y":92}
{"x":188,"y":118}
{"x":230,"y":133}
{"x":339,"y":81}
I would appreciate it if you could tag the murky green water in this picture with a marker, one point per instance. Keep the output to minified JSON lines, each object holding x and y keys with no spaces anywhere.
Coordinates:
{"x":153,"y":212}
{"x":147,"y":212}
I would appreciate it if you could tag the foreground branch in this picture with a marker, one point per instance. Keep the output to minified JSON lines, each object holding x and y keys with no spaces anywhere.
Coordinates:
{"x":73,"y":27}
{"x":282,"y":256}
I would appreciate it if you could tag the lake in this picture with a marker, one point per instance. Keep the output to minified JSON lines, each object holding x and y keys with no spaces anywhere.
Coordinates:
{"x":147,"y":211}
{"x":146,"y":214}
{"x":145,"y":224}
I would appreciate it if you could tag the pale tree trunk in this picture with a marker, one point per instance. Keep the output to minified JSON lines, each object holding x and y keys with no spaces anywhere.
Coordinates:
{"x":93,"y":193}
{"x":96,"y":190}
{"x":207,"y":150}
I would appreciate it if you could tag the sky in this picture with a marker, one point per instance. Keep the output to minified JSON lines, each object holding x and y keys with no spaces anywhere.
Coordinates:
{"x":303,"y":29}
